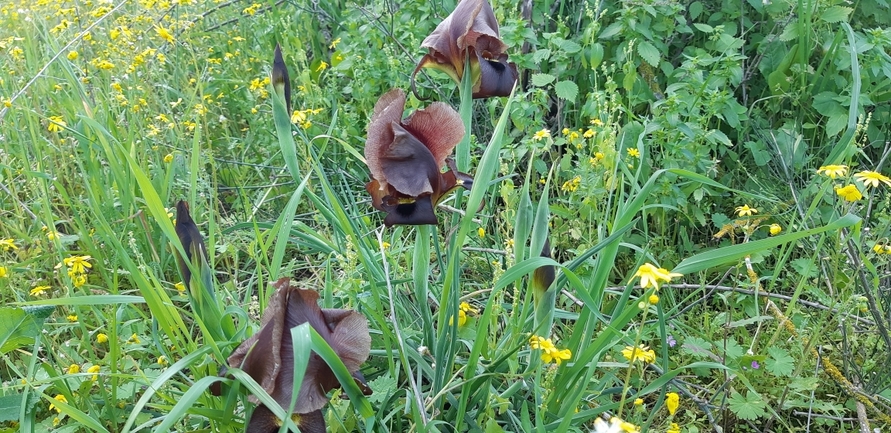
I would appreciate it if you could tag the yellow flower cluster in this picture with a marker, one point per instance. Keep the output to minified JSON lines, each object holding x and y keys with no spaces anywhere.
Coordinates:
{"x":77,"y":269}
{"x":882,"y":249}
{"x":549,"y":352}
{"x":542,"y":134}
{"x":301,"y":117}
{"x":464,"y":309}
{"x":640,"y":353}
{"x":850,"y":192}
{"x":572,"y":185}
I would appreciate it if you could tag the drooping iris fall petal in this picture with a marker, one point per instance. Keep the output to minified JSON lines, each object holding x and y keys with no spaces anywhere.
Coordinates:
{"x":471,"y":31}
{"x":405,"y":157}
{"x":268,"y":355}
{"x":281,"y":82}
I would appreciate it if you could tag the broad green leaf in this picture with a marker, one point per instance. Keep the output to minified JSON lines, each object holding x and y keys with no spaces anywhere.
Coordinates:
{"x":705,"y":28}
{"x":18,"y":327}
{"x":541,"y":80}
{"x":649,"y":53}
{"x":748,"y":407}
{"x":836,"y":14}
{"x":567,"y":90}
{"x":779,"y":363}
{"x":10,"y":405}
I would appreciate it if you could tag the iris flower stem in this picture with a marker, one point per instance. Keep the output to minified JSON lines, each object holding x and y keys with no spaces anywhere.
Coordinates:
{"x":465,"y":89}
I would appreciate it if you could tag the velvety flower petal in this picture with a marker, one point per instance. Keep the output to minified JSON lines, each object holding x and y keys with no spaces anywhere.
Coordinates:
{"x":387,"y":111}
{"x":267,"y":356}
{"x":497,"y":78}
{"x":439,"y":127}
{"x":264,"y":421}
{"x":408,"y":164}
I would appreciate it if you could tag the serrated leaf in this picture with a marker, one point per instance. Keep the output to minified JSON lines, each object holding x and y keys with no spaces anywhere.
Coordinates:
{"x":790,"y":32}
{"x":569,"y":47}
{"x":541,"y":55}
{"x":567,"y":90}
{"x":383,"y":387}
{"x":748,"y":407}
{"x":780,"y":363}
{"x":697,"y":347}
{"x":805,"y":267}
{"x":649,"y":53}
{"x":836,"y":14}
{"x":541,"y":80}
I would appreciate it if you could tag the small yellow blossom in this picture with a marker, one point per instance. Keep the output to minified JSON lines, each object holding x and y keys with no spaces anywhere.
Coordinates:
{"x":52,"y":235}
{"x":745,"y":210}
{"x":571,"y":185}
{"x":653,"y":299}
{"x":596,"y":122}
{"x":878,"y":248}
{"x":134,"y":339}
{"x":673,"y":428}
{"x":650,"y":275}
{"x":162,"y":360}
{"x":556,"y":356}
{"x":322,"y":66}
{"x":78,"y":264}
{"x":58,"y":398}
{"x":180,"y":287}
{"x":872,"y":178}
{"x":775,"y":229}
{"x":481,"y":232}
{"x":8,"y":244}
{"x":101,"y":338}
{"x":615,"y":425}
{"x":3,"y":272}
{"x":641,"y":353}
{"x":72,"y":55}
{"x":334,"y":43}
{"x":638,"y":402}
{"x":672,"y":400}
{"x":633,"y":152}
{"x":56,"y":124}
{"x":72,"y":317}
{"x":849,"y":192}
{"x":168,"y":158}
{"x":164,"y":34}
{"x":542,"y":134}
{"x":833,"y":171}
{"x":105,"y":65}
{"x":94,"y":370}
{"x":38,"y":291}
{"x":385,"y":245}
{"x":73,"y":369}
{"x":537,"y":342}
{"x":252,"y":9}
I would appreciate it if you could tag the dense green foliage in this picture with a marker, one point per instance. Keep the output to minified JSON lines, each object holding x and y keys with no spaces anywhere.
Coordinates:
{"x":739,"y":144}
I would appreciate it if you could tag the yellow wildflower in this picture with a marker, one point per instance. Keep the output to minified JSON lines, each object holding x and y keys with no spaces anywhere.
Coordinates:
{"x":101,"y":338}
{"x":73,"y":369}
{"x":833,"y":171}
{"x":56,"y":124}
{"x":162,"y":360}
{"x":653,"y":299}
{"x":180,"y":287}
{"x":168,"y":158}
{"x":849,"y":192}
{"x":72,"y":55}
{"x":615,"y":425}
{"x":78,"y":264}
{"x":672,"y":400}
{"x":59,"y":398}
{"x":134,"y":339}
{"x":872,"y":178}
{"x":164,"y":34}
{"x":334,"y":43}
{"x":8,"y":244}
{"x":556,"y":356}
{"x":481,"y":232}
{"x":322,"y":66}
{"x":638,"y":402}
{"x":542,"y":134}
{"x":3,"y":272}
{"x":745,"y":210}
{"x":94,"y":370}
{"x":633,"y":152}
{"x":641,"y":353}
{"x":673,"y":428}
{"x":38,"y":291}
{"x":650,"y":275}
{"x":72,"y":317}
